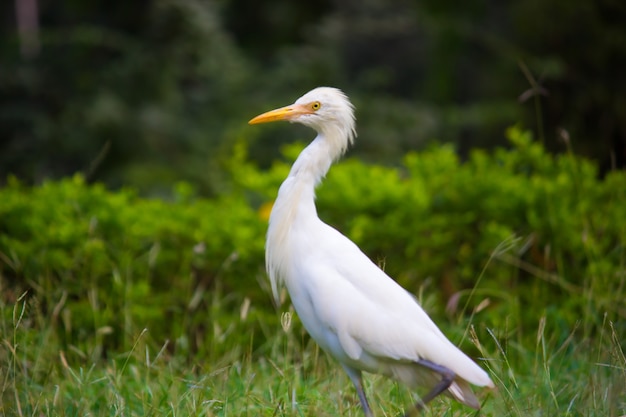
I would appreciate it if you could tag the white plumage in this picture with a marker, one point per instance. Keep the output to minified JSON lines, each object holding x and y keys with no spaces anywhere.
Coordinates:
{"x":352,"y":309}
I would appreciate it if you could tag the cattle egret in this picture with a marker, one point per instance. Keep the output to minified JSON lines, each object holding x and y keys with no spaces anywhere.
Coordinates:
{"x":353,"y":310}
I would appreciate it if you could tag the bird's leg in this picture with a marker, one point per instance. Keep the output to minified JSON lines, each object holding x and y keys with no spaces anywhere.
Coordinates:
{"x":447,"y":377}
{"x":357,"y":380}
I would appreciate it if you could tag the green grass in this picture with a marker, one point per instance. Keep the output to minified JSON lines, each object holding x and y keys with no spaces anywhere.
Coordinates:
{"x":541,"y":371}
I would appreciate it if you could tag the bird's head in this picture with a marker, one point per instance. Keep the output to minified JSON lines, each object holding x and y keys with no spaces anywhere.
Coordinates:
{"x":325,"y":109}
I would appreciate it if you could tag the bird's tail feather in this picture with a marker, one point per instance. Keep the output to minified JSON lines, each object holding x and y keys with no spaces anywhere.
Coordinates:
{"x":460,"y":390}
{"x":415,"y":376}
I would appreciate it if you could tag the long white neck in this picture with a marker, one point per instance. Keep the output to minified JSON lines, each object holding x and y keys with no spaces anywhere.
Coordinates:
{"x":295,"y":205}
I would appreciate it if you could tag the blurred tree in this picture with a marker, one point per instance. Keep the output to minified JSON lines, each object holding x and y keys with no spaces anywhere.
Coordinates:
{"x":461,"y":73}
{"x":146,"y":93}
{"x":136,"y":93}
{"x":578,"y":50}
{"x":415,"y":75}
{"x":263,"y":27}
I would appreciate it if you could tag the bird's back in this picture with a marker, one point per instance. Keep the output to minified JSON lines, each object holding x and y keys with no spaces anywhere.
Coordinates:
{"x":365,"y":319}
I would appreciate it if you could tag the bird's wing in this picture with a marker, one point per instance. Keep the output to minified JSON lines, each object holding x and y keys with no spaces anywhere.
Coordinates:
{"x":375,"y":317}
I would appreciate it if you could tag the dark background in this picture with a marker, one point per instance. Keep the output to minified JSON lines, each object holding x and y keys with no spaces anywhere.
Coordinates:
{"x":148,"y":93}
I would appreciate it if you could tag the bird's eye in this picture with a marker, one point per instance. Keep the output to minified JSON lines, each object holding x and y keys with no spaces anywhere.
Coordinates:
{"x":316,"y":105}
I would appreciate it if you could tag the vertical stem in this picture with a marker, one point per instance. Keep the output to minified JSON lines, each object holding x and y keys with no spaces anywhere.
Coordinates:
{"x":27,"y":15}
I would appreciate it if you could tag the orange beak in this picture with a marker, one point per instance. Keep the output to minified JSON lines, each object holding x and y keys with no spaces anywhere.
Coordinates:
{"x":284,"y":113}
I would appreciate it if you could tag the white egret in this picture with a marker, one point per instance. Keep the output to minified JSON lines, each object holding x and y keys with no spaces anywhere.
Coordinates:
{"x":353,"y":310}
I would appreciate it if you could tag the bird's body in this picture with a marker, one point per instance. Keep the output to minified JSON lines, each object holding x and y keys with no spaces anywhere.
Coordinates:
{"x":350,"y":307}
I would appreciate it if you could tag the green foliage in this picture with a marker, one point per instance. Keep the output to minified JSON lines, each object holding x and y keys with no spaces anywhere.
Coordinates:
{"x":525,"y":249}
{"x":518,"y":226}
{"x":108,"y":264}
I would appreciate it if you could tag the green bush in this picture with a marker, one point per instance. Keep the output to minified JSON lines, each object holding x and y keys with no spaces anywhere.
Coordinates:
{"x":515,"y":235}
{"x":527,"y":230}
{"x":108,"y":264}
